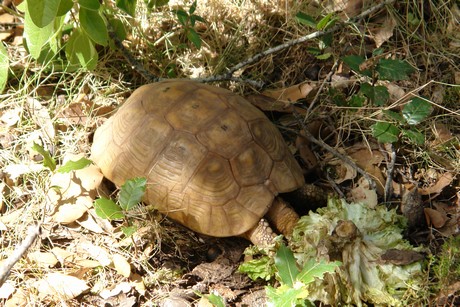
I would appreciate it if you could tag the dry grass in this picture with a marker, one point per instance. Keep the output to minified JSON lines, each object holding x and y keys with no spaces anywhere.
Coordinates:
{"x":235,"y":30}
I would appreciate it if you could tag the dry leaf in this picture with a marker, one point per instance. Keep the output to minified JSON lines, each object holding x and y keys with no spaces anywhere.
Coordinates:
{"x":43,"y":259}
{"x":98,"y":253}
{"x":435,"y":218}
{"x":90,"y":223}
{"x":41,"y":117}
{"x":19,"y":298}
{"x":384,"y":32}
{"x":290,"y":94}
{"x":6,"y":290}
{"x":121,"y":265}
{"x":75,"y":192}
{"x":401,"y":257}
{"x":123,"y":287}
{"x":369,"y":161}
{"x":138,"y":282}
{"x":441,"y":133}
{"x":70,"y":212}
{"x":396,"y":92}
{"x":16,"y":170}
{"x":443,"y":181}
{"x":11,"y":117}
{"x":362,"y":193}
{"x":60,"y":286}
{"x":342,"y":171}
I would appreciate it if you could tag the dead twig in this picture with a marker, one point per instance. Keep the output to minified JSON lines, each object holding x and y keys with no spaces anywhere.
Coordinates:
{"x":389,"y":181}
{"x":19,"y":251}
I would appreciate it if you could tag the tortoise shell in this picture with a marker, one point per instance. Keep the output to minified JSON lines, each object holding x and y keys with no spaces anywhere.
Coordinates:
{"x":213,"y":161}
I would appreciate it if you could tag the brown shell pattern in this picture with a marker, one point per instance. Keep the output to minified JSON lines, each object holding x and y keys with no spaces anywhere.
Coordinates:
{"x":213,"y":162}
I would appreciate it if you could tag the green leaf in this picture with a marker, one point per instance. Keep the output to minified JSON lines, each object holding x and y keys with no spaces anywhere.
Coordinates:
{"x":128,"y":231}
{"x":156,"y":3}
{"x":326,"y":22}
{"x":36,"y":37}
{"x":286,"y":265}
{"x":94,"y":25}
{"x":74,"y":165}
{"x":118,"y":27}
{"x":182,"y":16}
{"x":129,"y":6}
{"x":4,"y":67}
{"x":414,"y":136}
{"x":394,"y":116}
{"x":64,"y":7}
{"x":42,"y":12}
{"x":353,"y":61}
{"x":194,"y":38}
{"x":306,"y":19}
{"x":131,"y":192}
{"x":357,"y":101}
{"x":378,"y":95}
{"x":385,"y":132}
{"x":285,"y":296}
{"x":108,"y":209}
{"x":416,"y":111}
{"x":80,"y":50}
{"x":215,"y":300}
{"x":192,"y":8}
{"x":257,"y":268}
{"x":93,"y":5}
{"x":199,"y":18}
{"x":394,"y":70}
{"x":324,"y":56}
{"x":313,"y":269}
{"x":48,"y":161}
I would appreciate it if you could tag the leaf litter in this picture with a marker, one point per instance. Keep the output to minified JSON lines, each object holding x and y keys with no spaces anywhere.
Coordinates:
{"x":73,"y":216}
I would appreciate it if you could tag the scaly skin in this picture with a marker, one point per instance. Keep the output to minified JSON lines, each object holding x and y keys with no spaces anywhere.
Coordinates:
{"x":282,"y":217}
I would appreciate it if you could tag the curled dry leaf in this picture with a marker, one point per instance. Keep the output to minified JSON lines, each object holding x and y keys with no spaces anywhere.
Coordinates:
{"x":442,"y":181}
{"x":342,"y":171}
{"x":290,"y":94}
{"x":435,"y":218}
{"x":60,"y":286}
{"x":382,"y":33}
{"x":369,"y":161}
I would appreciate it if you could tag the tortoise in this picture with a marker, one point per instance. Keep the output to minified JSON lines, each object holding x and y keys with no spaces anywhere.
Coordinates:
{"x":213,"y":161}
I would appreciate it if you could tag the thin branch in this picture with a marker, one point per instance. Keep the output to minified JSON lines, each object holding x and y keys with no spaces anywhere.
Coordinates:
{"x":32,"y":233}
{"x":389,"y":181}
{"x":229,"y":75}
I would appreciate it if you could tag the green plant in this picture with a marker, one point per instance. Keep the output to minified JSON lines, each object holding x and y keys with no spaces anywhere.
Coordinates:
{"x":396,"y":124}
{"x":445,"y":266}
{"x":130,"y":195}
{"x":188,"y":21}
{"x":323,"y":24}
{"x":293,"y":278}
